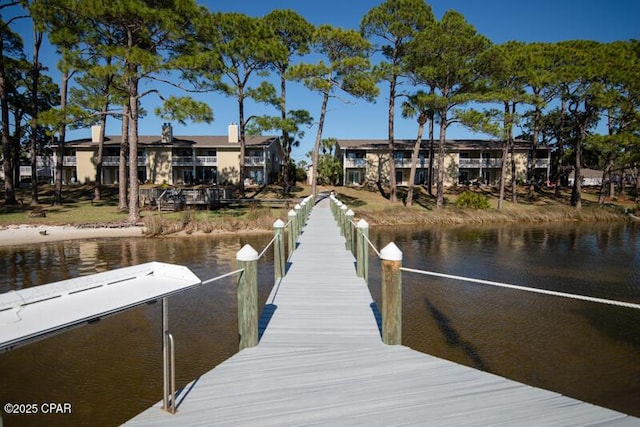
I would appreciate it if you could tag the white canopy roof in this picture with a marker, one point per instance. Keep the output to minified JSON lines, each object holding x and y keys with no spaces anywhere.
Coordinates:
{"x":31,"y":313}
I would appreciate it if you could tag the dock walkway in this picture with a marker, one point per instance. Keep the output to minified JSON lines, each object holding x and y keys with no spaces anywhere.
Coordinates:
{"x":321,"y":361}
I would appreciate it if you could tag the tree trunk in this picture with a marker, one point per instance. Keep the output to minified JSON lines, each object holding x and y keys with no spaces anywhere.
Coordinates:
{"x":505,"y":156}
{"x":57,"y":190}
{"x":97,"y":190}
{"x":123,"y":205}
{"x":134,"y":201}
{"x":286,"y":145}
{"x":441,"y":153}
{"x":9,"y":188}
{"x":606,"y":174}
{"x":431,"y":153}
{"x":414,"y":159}
{"x":242,"y":140}
{"x":392,"y":166}
{"x":534,"y":148}
{"x":316,"y":146}
{"x":37,"y":36}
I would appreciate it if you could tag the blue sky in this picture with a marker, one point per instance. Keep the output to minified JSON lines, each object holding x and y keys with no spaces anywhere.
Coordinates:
{"x":498,"y":20}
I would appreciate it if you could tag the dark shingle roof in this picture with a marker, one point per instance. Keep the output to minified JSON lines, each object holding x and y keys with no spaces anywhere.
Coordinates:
{"x":199,"y":141}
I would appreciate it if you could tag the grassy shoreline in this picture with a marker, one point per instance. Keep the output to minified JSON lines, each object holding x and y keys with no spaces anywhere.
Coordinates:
{"x":80,"y":211}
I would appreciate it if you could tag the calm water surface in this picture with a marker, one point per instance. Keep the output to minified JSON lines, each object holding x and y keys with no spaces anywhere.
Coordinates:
{"x":111,"y":370}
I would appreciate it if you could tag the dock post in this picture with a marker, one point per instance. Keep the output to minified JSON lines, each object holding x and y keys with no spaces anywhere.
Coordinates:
{"x":348,"y":229}
{"x":292,"y":231}
{"x":278,"y":250}
{"x":341,"y":213}
{"x":300,"y":219}
{"x":362,"y":254}
{"x":391,"y":258}
{"x":247,"y":258}
{"x":303,"y":212}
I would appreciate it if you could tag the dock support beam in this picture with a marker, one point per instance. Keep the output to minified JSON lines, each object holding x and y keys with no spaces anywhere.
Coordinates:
{"x":247,"y":258}
{"x":391,"y":262}
{"x":362,"y":252}
{"x":278,"y":250}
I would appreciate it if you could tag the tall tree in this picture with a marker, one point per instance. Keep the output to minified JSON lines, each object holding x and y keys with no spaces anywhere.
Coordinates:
{"x":445,"y":56}
{"x":65,"y":32}
{"x":235,"y":48}
{"x":150,"y":33}
{"x":35,"y":80}
{"x":580,"y":76}
{"x":347,"y":70}
{"x":416,"y":106}
{"x":395,"y":23}
{"x":10,"y":46}
{"x":294,"y":33}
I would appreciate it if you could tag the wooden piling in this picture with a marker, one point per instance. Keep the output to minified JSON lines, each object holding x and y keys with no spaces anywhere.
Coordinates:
{"x":247,"y":258}
{"x":278,"y":250}
{"x":391,"y":262}
{"x":362,"y":252}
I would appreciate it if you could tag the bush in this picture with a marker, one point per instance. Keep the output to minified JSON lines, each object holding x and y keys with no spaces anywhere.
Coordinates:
{"x":472,"y":200}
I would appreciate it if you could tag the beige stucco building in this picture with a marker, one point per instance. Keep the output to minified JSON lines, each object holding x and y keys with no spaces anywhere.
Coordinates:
{"x":178,"y":160}
{"x":367,"y":161}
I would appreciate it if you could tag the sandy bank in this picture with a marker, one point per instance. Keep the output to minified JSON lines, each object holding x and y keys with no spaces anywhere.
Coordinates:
{"x":26,"y":234}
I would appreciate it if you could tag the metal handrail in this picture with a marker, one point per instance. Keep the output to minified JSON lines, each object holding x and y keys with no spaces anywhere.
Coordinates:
{"x":172,"y":372}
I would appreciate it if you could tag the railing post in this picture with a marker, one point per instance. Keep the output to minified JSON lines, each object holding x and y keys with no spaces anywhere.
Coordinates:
{"x":247,"y":258}
{"x":362,"y":258}
{"x":278,"y":250}
{"x":303,"y":213}
{"x":348,"y":229}
{"x":292,"y":231}
{"x":300,"y":220}
{"x":342,"y":212}
{"x":166,"y":374}
{"x":391,"y":258}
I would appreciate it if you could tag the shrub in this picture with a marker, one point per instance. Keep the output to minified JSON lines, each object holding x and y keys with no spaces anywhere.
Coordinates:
{"x":472,"y":200}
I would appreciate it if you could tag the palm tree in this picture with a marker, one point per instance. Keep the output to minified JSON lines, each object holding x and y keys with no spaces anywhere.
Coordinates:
{"x":417,"y":105}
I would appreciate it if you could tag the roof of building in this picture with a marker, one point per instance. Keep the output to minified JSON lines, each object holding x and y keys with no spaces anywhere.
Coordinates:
{"x":467,"y":144}
{"x":198,"y":141}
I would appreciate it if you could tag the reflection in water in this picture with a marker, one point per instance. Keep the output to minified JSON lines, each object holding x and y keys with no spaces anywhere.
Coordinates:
{"x":584,"y":350}
{"x":111,"y":370}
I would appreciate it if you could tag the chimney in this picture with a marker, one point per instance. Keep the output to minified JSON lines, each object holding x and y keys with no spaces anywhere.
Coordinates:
{"x":233,"y":133}
{"x":95,"y":133}
{"x":167,"y":133}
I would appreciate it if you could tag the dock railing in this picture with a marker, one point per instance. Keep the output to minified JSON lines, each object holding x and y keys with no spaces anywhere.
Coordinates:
{"x":391,"y":275}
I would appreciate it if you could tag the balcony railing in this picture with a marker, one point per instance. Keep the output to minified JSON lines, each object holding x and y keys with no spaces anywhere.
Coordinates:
{"x":481,"y":163}
{"x":406,"y":163}
{"x":355,"y":163}
{"x":543,"y":163}
{"x":69,"y":161}
{"x":191,"y":161}
{"x":254,"y":161}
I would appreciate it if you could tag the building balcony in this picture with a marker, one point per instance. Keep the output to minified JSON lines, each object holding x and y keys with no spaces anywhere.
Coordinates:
{"x":543,"y":163}
{"x":480,"y":163}
{"x":406,"y":163}
{"x":254,"y":161}
{"x":194,"y":161}
{"x":69,"y":161}
{"x":355,"y":163}
{"x":115,"y":161}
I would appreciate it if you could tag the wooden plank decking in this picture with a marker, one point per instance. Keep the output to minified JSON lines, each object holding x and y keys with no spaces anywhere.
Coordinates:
{"x":321,"y":361}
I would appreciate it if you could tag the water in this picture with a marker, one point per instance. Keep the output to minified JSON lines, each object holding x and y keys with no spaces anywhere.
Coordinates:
{"x":584,"y":350}
{"x":111,"y":370}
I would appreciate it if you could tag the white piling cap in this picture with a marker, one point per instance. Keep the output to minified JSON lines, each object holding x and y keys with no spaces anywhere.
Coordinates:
{"x":338,"y":203}
{"x":297,"y":207}
{"x":291,"y":213}
{"x":350,"y":213}
{"x":391,"y":253}
{"x":362,"y":224}
{"x":343,"y":207}
{"x":247,"y":253}
{"x":278,"y":224}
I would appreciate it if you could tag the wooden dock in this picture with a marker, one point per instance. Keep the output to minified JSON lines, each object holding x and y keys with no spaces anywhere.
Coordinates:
{"x":321,"y":361}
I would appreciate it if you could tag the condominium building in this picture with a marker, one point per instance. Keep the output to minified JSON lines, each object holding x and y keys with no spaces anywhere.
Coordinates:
{"x":177,"y":160}
{"x":366,"y":161}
